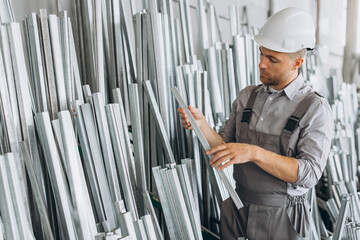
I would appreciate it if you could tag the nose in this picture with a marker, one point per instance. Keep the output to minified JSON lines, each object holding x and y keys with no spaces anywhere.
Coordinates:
{"x":262,"y":63}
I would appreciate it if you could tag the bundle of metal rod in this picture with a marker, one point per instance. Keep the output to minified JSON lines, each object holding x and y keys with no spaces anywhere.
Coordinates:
{"x":337,"y":190}
{"x":55,"y":79}
{"x":175,"y":192}
{"x":111,"y":22}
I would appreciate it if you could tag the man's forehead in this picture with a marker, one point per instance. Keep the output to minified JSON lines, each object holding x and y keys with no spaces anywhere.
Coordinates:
{"x":267,"y":51}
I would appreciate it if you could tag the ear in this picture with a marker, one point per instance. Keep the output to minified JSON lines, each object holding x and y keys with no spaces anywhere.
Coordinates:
{"x":297,"y":63}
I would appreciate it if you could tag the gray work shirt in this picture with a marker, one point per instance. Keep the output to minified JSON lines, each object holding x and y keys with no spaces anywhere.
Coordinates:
{"x":272,"y":110}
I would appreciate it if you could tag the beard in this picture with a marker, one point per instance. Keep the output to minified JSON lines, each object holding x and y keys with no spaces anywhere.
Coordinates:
{"x":273,"y":80}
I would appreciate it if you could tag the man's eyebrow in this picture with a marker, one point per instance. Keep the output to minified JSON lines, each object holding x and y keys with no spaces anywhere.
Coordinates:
{"x":269,"y":56}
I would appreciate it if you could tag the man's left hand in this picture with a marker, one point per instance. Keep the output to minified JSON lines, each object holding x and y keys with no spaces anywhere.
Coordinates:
{"x":231,"y":153}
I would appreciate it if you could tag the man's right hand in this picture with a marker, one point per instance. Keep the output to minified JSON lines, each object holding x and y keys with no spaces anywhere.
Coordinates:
{"x":197,"y":114}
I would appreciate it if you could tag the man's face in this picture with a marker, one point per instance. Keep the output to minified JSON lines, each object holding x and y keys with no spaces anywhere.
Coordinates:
{"x":275,"y":68}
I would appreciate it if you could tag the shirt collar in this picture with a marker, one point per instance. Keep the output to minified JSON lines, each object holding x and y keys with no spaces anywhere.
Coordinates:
{"x":290,"y":90}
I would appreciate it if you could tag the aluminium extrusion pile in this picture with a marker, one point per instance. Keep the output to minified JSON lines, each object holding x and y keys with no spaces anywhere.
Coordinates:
{"x":131,"y":64}
{"x":337,"y":192}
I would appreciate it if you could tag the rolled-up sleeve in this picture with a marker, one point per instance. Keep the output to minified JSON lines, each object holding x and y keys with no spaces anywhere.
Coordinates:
{"x":314,"y":143}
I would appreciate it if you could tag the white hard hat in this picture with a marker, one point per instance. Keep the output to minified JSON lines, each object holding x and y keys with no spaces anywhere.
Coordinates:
{"x":288,"y":30}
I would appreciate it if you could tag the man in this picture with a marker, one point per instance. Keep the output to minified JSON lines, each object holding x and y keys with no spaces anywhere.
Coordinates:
{"x":277,"y":137}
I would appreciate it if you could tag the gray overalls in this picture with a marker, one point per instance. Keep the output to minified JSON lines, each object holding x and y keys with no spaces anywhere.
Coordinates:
{"x":269,"y":212}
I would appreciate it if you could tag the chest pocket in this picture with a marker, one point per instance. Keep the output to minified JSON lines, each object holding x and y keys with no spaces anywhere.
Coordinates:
{"x":291,"y":132}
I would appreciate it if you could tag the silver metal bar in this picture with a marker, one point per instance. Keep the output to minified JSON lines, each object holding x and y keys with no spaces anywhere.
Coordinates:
{"x":10,"y":81}
{"x":76,"y":177}
{"x":149,"y":209}
{"x":58,"y":61}
{"x":225,"y":83}
{"x":211,"y":16}
{"x":184,"y":180}
{"x":129,"y":37}
{"x":206,"y":146}
{"x":18,"y":202}
{"x":214,"y":88}
{"x":332,"y":209}
{"x":67,"y":60}
{"x":126,"y":223}
{"x":48,"y":60}
{"x":167,"y":204}
{"x":37,"y":62}
{"x":57,"y":176}
{"x":140,"y":230}
{"x":204,"y":28}
{"x":339,"y":229}
{"x":188,"y":26}
{"x":130,"y":157}
{"x":1,"y":229}
{"x":99,"y":52}
{"x":75,"y":68}
{"x":107,"y":150}
{"x":179,"y":203}
{"x":7,"y":206}
{"x":98,"y":164}
{"x":57,"y":134}
{"x":122,"y":166}
{"x":149,"y":227}
{"x":108,"y":35}
{"x":159,"y":122}
{"x":89,"y":165}
{"x":24,"y":101}
{"x":138,"y":146}
{"x":38,"y":194}
{"x":184,"y":31}
{"x":240,"y":62}
{"x":8,"y":117}
{"x":231,"y":76}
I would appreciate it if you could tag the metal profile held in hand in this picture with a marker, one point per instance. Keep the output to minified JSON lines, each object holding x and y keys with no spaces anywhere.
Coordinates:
{"x":206,"y":146}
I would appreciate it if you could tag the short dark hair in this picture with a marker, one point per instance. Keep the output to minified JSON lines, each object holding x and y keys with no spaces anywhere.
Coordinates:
{"x":299,"y":54}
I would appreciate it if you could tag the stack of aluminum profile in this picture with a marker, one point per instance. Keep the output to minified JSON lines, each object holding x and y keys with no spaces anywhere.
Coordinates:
{"x":70,"y":196}
{"x":174,"y":187}
{"x":337,"y":192}
{"x":131,"y":67}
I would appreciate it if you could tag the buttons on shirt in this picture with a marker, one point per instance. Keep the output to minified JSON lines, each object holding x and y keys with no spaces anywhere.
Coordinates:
{"x":261,"y":119}
{"x":270,"y":98}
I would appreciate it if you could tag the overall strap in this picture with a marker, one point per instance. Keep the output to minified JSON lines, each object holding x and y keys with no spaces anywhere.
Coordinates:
{"x":295,"y":118}
{"x":246,"y":115}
